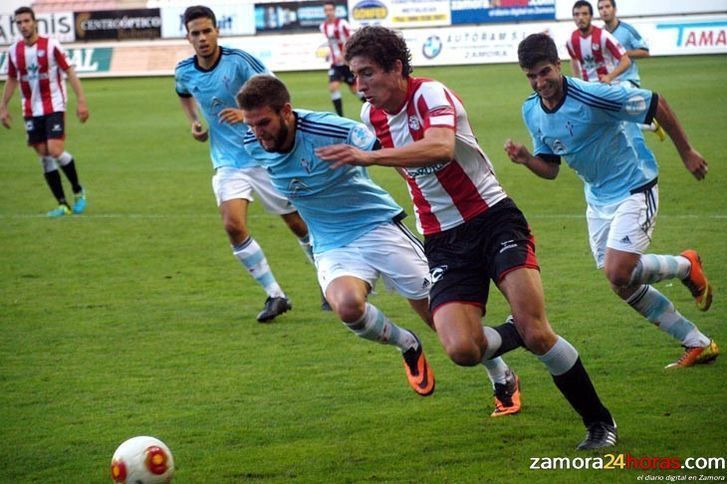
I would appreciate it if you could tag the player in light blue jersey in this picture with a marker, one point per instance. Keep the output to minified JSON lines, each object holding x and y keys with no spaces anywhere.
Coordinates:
{"x":355,"y":225}
{"x":635,"y":45}
{"x":636,"y":48}
{"x":583,"y":123}
{"x":211,"y":77}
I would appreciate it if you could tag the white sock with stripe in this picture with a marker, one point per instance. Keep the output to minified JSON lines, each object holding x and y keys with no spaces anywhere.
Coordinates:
{"x":655,"y":307}
{"x":375,"y":326}
{"x":251,"y":255}
{"x":653,"y":268}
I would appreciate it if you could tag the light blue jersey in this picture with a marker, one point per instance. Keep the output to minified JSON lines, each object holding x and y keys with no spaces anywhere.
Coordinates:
{"x":587,"y":129}
{"x":340,"y":205}
{"x":215,"y":90}
{"x":630,"y":38}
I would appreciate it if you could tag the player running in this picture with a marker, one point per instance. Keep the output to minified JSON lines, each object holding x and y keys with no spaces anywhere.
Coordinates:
{"x":584,"y":123}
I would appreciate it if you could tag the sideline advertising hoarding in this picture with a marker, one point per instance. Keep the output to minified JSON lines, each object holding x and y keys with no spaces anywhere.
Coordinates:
{"x":500,"y":11}
{"x":232,"y":19}
{"x":143,"y":23}
{"x":399,"y":14}
{"x":58,"y":25}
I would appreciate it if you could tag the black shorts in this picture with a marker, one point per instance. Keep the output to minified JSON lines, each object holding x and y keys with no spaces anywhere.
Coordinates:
{"x":341,"y":74}
{"x":464,"y":259}
{"x":42,"y":128}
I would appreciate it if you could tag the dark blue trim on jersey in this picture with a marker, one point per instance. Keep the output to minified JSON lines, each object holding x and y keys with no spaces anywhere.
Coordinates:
{"x":651,"y":114}
{"x":545,"y":108}
{"x":549,"y":158}
{"x":249,"y":139}
{"x":334,"y":129}
{"x":309,"y":130}
{"x":254,"y":63}
{"x":593,"y":100}
{"x":183,"y":94}
{"x":202,"y":69}
{"x":185,"y":62}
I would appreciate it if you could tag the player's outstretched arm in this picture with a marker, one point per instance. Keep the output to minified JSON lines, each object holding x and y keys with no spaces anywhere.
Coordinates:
{"x":437,"y":146}
{"x":10,"y":86}
{"x":519,"y":154}
{"x":623,"y":64}
{"x":190,"y":111}
{"x":81,"y":106}
{"x":693,"y":160}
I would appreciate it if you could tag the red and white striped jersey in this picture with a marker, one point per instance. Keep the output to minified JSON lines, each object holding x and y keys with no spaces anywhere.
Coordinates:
{"x":39,"y":70}
{"x":337,"y":33}
{"x":445,"y":195}
{"x":598,"y":53}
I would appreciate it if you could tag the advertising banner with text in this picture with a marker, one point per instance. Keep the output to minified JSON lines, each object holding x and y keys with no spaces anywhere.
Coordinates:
{"x":399,"y":14}
{"x":293,"y":16}
{"x":143,"y":23}
{"x":232,"y":19}
{"x":59,"y":25}
{"x":501,"y":11}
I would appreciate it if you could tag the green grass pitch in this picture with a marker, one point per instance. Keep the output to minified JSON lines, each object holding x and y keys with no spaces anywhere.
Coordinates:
{"x":134,"y":318}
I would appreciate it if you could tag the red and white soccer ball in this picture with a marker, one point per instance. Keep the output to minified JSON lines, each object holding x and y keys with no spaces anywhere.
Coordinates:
{"x":142,"y":460}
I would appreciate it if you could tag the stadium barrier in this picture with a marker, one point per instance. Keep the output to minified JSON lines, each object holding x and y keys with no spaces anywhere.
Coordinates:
{"x":434,"y":46}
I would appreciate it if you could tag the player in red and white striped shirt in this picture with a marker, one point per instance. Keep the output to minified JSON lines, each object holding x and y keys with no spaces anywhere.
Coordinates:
{"x":37,"y":64}
{"x":595,"y":54}
{"x":337,"y":32}
{"x":473,"y":232}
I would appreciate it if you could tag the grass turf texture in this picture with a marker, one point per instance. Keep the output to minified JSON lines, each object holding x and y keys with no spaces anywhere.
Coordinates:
{"x":134,"y":319}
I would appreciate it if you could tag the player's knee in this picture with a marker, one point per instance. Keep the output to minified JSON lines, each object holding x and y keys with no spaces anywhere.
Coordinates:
{"x":236,"y":231}
{"x":55,"y":151}
{"x":618,"y":277}
{"x":464,"y":353}
{"x":536,"y":333}
{"x":349,"y":307}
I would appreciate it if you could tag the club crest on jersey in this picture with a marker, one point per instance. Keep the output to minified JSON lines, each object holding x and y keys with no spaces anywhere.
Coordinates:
{"x":306,"y":164}
{"x":361,"y":137}
{"x":41,"y":53}
{"x":414,"y":123}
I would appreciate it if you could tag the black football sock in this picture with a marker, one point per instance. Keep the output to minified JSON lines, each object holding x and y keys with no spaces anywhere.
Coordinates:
{"x":53,"y":178}
{"x":576,"y":387}
{"x":69,"y":169}
{"x":339,"y":106}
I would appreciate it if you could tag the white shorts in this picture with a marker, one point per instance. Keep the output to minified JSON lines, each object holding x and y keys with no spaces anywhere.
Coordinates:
{"x":626,"y":225}
{"x":230,"y":183}
{"x":390,"y":251}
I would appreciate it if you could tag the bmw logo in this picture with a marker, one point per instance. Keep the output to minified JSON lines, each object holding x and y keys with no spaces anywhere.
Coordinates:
{"x":432,"y":47}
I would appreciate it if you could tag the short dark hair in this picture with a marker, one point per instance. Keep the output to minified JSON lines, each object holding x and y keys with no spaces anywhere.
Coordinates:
{"x":261,"y":91}
{"x":536,"y":48}
{"x":382,"y":45}
{"x":24,"y":10}
{"x":198,"y":11}
{"x":613,"y":2}
{"x":583,"y":3}
{"x":329,"y":3}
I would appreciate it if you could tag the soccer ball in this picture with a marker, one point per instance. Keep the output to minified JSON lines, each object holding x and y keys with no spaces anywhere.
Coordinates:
{"x":142,"y":460}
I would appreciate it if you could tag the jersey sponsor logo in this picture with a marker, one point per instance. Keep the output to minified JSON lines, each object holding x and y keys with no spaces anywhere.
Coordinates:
{"x":361,"y":137}
{"x":424,"y":170}
{"x":635,"y":105}
{"x":437,"y":273}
